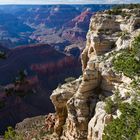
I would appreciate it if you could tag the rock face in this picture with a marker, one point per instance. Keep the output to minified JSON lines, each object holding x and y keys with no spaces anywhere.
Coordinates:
{"x":59,"y":98}
{"x":10,"y":34}
{"x":80,"y":113}
{"x":76,"y":29}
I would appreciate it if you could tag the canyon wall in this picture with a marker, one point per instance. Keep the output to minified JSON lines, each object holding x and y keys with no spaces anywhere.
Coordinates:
{"x":80,"y":113}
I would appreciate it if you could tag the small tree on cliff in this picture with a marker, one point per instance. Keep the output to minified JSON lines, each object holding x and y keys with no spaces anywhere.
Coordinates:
{"x":2,"y":55}
{"x":21,"y":77}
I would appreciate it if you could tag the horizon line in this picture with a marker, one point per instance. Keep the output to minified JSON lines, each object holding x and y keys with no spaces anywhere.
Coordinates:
{"x":70,"y":3}
{"x":4,"y":4}
{"x":62,"y":3}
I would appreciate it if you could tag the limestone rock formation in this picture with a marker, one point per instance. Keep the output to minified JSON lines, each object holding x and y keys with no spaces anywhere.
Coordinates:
{"x":80,"y":106}
{"x":59,"y":98}
{"x":96,"y":124}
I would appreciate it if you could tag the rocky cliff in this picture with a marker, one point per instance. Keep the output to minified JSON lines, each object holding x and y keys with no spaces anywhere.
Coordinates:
{"x":111,"y":78}
{"x":80,"y":105}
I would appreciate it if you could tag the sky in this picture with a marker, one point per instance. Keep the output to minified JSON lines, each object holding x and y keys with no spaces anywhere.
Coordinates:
{"x":67,"y":1}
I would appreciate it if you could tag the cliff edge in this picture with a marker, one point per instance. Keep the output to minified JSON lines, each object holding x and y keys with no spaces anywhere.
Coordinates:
{"x":81,"y":108}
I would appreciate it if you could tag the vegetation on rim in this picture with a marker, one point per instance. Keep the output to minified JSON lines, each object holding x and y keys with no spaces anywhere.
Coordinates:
{"x":128,"y":61}
{"x":127,"y":126}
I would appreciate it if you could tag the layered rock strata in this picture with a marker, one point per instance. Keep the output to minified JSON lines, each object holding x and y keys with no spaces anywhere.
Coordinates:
{"x":79,"y":105}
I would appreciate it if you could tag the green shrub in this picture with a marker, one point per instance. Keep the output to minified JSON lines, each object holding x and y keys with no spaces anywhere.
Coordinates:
{"x":128,"y":62}
{"x":114,"y":11}
{"x":129,"y":6}
{"x":136,"y":45}
{"x":112,"y":105}
{"x":135,"y":84}
{"x":2,"y":55}
{"x":138,"y":135}
{"x":21,"y":78}
{"x":11,"y":134}
{"x":127,"y":126}
{"x":123,"y":34}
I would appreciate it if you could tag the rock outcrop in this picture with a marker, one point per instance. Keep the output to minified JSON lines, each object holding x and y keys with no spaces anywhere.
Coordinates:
{"x":80,"y":106}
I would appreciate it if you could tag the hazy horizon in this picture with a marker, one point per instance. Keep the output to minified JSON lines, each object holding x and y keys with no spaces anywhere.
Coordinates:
{"x":49,"y":2}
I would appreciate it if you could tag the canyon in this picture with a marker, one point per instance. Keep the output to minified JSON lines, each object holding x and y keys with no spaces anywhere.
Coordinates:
{"x":38,"y":54}
{"x":81,"y":105}
{"x":43,"y":65}
{"x":42,"y":24}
